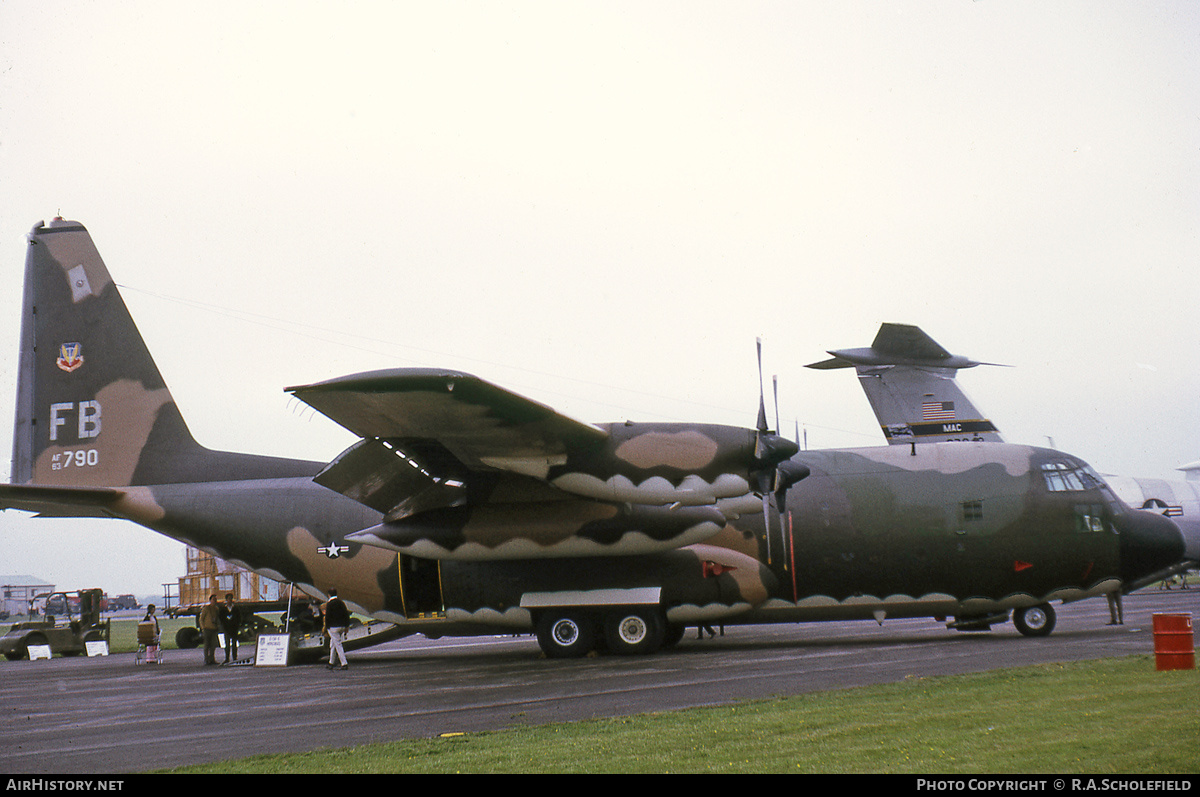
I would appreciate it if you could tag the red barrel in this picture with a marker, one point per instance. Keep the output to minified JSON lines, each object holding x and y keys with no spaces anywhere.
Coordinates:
{"x":1173,"y":647}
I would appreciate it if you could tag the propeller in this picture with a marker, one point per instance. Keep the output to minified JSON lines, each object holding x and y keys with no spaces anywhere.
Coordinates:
{"x":773,"y":470}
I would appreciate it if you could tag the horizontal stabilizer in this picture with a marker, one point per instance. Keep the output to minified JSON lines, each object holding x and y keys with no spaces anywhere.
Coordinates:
{"x":60,"y":501}
{"x":898,"y":344}
{"x":829,"y":365}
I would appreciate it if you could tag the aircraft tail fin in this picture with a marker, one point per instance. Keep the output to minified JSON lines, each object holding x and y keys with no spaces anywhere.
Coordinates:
{"x":92,"y":408}
{"x":910,"y":381}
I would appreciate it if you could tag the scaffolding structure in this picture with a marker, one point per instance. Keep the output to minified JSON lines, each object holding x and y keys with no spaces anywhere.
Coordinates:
{"x":210,"y":575}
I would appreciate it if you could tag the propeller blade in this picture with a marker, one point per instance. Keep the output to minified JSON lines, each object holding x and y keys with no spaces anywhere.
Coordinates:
{"x":761,"y":423}
{"x":762,"y":404}
{"x":775,"y":384}
{"x":767,"y":522}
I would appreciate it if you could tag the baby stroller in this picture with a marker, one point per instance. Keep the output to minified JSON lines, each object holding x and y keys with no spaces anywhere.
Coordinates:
{"x":148,"y":650}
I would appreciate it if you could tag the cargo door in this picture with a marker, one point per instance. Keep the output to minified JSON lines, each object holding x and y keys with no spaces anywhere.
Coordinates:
{"x":421,"y":587}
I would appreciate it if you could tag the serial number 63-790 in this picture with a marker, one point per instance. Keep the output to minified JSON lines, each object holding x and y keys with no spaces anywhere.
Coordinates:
{"x":83,"y":458}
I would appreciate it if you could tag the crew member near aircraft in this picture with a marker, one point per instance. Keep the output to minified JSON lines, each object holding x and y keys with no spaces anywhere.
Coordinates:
{"x":1116,"y":613}
{"x":209,"y":625}
{"x":231,"y":620}
{"x":337,"y":620}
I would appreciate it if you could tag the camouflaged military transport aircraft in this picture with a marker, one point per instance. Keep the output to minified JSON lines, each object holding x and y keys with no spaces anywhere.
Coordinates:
{"x":910,"y":381}
{"x":467,"y":509}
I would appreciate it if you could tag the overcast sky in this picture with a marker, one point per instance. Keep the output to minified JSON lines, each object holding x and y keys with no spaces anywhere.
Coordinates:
{"x":602,"y":205}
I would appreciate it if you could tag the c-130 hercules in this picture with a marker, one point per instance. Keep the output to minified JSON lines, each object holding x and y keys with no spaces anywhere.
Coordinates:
{"x":467,"y":509}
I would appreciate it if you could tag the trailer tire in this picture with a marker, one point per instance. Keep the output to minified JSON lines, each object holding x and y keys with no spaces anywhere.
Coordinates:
{"x":187,"y":637}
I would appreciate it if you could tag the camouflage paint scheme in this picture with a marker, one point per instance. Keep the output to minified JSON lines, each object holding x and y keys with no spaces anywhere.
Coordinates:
{"x":468,"y":509}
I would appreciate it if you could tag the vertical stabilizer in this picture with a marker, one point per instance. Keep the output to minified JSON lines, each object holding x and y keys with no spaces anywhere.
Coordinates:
{"x":910,"y":381}
{"x":923,"y":405}
{"x":92,"y":407}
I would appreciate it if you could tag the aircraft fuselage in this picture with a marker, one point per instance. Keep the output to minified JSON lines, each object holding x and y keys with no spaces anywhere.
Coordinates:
{"x":950,"y":529}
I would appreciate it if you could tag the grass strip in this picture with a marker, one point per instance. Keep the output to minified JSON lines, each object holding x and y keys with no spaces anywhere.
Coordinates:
{"x":1097,"y":717}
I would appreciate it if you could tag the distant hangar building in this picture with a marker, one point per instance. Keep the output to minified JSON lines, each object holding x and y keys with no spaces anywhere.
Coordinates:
{"x":18,"y":592}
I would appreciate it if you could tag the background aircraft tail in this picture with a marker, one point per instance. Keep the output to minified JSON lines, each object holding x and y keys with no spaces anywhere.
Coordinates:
{"x":910,"y":381}
{"x":92,"y":407}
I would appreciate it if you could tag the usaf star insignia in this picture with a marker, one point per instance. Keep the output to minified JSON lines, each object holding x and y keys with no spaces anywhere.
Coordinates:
{"x":333,"y":550}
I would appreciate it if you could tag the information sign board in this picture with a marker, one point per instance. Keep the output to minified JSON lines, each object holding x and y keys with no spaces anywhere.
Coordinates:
{"x":272,"y":650}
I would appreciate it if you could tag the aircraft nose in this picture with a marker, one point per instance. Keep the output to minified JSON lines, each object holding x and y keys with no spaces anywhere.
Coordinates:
{"x":1149,"y":543}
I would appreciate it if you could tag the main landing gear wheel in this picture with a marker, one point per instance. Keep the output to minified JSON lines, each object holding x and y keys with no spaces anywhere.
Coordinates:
{"x":1035,"y":620}
{"x":633,"y":631}
{"x":566,"y":635}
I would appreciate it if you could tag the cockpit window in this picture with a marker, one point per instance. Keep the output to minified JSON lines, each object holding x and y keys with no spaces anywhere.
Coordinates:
{"x":1065,"y":476}
{"x":1089,"y":517}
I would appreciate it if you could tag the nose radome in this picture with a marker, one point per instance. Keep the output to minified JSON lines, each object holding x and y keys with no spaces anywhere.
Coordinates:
{"x":1150,"y":542}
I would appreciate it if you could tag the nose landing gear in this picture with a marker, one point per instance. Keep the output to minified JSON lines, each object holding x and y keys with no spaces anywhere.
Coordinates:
{"x":1035,"y":620}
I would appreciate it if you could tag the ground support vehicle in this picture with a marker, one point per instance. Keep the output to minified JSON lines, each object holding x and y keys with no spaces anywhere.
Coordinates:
{"x":67,"y":638}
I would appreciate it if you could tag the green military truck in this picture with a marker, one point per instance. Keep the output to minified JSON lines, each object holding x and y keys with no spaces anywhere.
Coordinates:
{"x":67,"y":637}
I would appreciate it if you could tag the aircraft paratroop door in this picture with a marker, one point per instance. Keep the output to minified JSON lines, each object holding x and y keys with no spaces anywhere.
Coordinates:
{"x":421,"y":587}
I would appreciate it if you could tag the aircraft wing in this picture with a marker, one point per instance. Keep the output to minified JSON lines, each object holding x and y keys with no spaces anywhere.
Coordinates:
{"x":60,"y":501}
{"x":422,"y":427}
{"x":425,"y":432}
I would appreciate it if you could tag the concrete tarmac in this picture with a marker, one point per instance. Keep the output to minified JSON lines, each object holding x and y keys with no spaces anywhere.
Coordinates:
{"x":105,"y":715}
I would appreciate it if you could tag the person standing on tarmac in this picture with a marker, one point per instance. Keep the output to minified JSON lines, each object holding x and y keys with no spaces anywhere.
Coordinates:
{"x":337,"y":620}
{"x":209,"y":626}
{"x":1116,"y":613}
{"x":231,"y":621}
